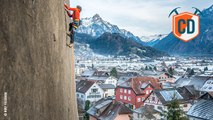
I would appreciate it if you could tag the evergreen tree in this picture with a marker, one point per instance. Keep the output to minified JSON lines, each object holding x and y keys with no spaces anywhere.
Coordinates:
{"x":146,"y":68}
{"x":114,"y":72}
{"x":174,"y":111}
{"x":150,"y":68}
{"x":188,"y":70}
{"x":171,"y":71}
{"x":155,"y":68}
{"x":191,"y":72}
{"x":87,"y":105}
{"x":206,"y":68}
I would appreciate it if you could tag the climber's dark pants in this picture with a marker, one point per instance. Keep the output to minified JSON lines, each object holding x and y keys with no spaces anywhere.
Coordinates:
{"x":72,"y":27}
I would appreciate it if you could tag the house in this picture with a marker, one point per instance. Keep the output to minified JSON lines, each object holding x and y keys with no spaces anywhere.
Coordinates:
{"x":208,"y":85}
{"x":103,"y":80}
{"x":203,"y":109}
{"x":146,"y":112}
{"x":109,"y":109}
{"x":201,"y":83}
{"x":135,"y":90}
{"x":122,"y":79}
{"x":101,"y":74}
{"x":162,"y":76}
{"x":161,"y":98}
{"x":88,"y":90}
{"x":109,"y":90}
{"x":166,"y":77}
{"x":88,"y":73}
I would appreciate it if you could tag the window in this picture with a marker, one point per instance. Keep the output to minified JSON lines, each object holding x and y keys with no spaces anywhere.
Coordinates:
{"x":129,"y":91}
{"x":139,"y":99}
{"x":143,"y":98}
{"x":139,"y":115}
{"x":121,"y":96}
{"x":124,"y":90}
{"x":94,"y":90}
{"x":124,"y":97}
{"x":121,"y":90}
{"x":129,"y":98}
{"x":82,"y":96}
{"x":77,"y":95}
{"x":153,"y":98}
{"x":160,"y":108}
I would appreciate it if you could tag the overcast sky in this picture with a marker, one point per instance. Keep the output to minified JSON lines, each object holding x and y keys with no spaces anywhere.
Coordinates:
{"x":141,"y":17}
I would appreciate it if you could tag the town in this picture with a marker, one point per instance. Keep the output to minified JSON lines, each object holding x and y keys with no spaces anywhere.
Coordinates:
{"x":112,"y":88}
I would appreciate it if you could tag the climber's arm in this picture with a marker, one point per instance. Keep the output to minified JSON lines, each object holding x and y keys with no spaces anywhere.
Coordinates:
{"x":68,"y":13}
{"x":69,"y":8}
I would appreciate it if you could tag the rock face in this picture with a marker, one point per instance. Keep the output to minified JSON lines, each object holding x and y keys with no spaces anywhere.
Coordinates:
{"x":36,"y":66}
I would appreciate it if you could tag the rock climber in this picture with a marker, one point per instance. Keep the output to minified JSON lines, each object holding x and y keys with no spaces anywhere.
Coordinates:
{"x":75,"y":21}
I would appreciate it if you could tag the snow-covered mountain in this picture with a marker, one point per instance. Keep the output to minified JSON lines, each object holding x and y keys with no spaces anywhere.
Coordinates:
{"x":96,"y":26}
{"x":152,"y":39}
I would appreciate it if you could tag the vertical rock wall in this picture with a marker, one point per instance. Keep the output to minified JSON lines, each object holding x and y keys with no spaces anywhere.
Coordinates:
{"x":36,"y":66}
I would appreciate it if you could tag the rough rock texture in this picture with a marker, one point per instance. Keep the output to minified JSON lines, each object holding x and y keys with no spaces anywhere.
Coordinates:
{"x":36,"y":66}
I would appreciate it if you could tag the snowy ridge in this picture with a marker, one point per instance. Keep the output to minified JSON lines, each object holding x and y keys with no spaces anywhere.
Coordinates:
{"x":153,"y":37}
{"x":96,"y":26}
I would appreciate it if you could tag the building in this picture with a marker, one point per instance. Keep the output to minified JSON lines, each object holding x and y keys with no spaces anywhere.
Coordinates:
{"x":146,"y":112}
{"x":203,"y":109}
{"x":161,"y":98}
{"x":103,"y":80}
{"x":135,"y":90}
{"x":109,"y":109}
{"x":109,"y":90}
{"x":162,"y":76}
{"x":166,"y":77}
{"x":88,"y":73}
{"x":88,"y":90}
{"x":201,"y":83}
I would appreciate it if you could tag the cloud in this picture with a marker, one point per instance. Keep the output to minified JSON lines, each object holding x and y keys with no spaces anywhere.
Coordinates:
{"x":141,"y":17}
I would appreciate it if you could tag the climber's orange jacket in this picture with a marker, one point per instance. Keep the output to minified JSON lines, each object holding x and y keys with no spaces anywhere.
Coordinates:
{"x":76,"y":12}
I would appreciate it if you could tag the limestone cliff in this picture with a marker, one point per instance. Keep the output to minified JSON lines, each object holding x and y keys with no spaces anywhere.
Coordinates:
{"x":36,"y":66}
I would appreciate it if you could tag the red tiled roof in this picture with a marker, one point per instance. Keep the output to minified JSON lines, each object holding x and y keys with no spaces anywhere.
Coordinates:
{"x":135,"y":83}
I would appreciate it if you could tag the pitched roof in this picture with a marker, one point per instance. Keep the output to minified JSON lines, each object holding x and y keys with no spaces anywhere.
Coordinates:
{"x":211,"y":94}
{"x":83,"y":86}
{"x":202,"y":109}
{"x":167,"y":95}
{"x":107,"y":86}
{"x":101,"y":73}
{"x":148,"y":111}
{"x":197,"y":81}
{"x":96,"y":78}
{"x":138,"y":84}
{"x":109,"y":109}
{"x":88,"y":72}
{"x":191,"y":89}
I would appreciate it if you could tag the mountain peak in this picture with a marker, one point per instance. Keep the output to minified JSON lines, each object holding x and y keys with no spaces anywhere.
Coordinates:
{"x":96,"y":17}
{"x":96,"y":26}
